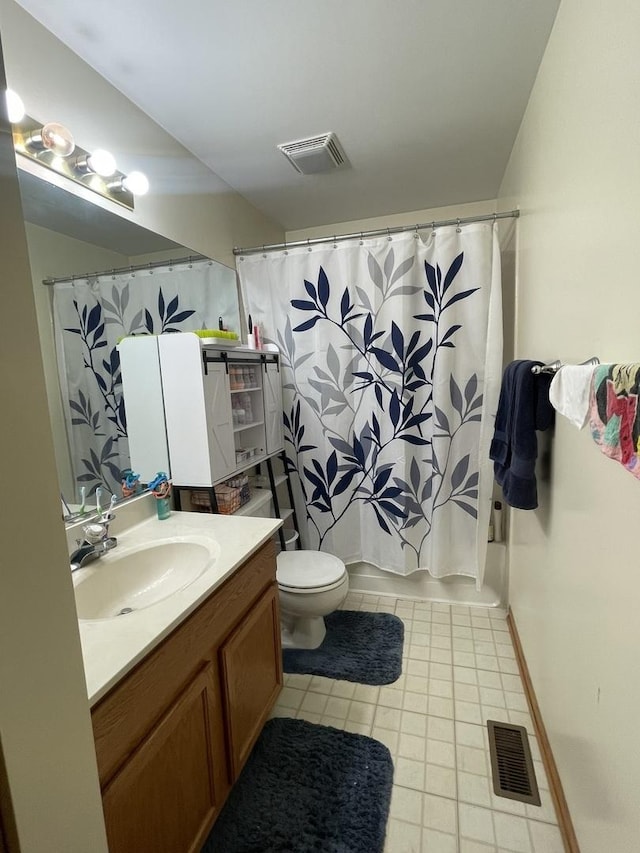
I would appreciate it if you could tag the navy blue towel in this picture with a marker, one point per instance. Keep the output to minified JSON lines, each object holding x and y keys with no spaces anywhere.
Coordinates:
{"x":523,"y":408}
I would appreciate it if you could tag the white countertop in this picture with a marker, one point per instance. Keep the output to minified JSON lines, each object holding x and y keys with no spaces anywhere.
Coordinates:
{"x":112,"y":647}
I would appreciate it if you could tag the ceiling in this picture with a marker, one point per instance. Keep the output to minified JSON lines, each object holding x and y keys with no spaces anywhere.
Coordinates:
{"x":426,"y":96}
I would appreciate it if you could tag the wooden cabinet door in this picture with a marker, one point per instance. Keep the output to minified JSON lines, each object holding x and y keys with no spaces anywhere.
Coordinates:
{"x":252,"y":676}
{"x":163,"y":799}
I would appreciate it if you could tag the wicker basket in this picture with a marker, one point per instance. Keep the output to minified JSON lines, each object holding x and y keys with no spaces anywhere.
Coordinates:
{"x":230,"y":496}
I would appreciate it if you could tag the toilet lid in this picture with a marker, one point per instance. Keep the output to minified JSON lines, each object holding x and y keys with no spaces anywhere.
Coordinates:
{"x":308,"y":569}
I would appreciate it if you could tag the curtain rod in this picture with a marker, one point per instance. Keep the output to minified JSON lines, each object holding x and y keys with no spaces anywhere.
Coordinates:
{"x":379,"y":232}
{"x":134,"y":268}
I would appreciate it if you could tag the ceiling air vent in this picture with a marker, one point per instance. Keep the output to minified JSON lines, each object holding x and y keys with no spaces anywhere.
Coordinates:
{"x":511,"y":763}
{"x":316,"y":154}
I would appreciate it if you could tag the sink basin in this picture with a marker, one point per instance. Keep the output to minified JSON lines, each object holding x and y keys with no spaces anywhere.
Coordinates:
{"x":126,"y":580}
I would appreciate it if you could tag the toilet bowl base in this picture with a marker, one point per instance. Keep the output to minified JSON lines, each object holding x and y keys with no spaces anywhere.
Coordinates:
{"x":302,"y":632}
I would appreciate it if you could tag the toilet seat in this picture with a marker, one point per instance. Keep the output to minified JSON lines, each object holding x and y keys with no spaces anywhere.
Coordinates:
{"x":309,"y":571}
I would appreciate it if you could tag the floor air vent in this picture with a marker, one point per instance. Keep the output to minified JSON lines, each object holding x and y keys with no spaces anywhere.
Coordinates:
{"x":511,"y":763}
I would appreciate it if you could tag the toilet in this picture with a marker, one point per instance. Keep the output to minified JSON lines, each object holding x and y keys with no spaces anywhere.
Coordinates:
{"x":311,"y":585}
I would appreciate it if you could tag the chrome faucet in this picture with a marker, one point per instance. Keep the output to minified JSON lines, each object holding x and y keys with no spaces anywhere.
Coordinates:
{"x":95,"y":543}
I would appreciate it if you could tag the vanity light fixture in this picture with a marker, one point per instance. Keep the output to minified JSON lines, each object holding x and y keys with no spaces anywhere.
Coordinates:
{"x":15,"y":107}
{"x":51,"y":145}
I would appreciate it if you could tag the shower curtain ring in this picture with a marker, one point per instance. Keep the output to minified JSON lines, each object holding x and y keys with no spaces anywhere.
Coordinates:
{"x":458,"y":229}
{"x":415,"y":233}
{"x":264,"y":254}
{"x":361,"y":239}
{"x":388,"y":234}
{"x":335,"y":242}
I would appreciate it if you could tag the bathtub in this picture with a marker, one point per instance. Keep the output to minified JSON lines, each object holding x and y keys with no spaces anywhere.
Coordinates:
{"x":455,"y":589}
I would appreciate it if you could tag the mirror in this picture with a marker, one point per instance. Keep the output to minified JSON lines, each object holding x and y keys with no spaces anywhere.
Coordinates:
{"x":67,"y":237}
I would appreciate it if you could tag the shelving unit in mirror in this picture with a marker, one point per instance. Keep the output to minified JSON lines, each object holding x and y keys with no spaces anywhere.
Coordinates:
{"x":212,"y":415}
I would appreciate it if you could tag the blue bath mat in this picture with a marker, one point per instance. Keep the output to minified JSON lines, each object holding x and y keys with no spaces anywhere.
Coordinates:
{"x":361,"y":647}
{"x":307,"y":789}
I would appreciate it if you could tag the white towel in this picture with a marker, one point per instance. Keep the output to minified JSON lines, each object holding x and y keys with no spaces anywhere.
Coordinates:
{"x":569,"y":392}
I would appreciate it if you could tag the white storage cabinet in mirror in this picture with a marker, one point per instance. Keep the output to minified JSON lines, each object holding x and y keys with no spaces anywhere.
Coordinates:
{"x":205,"y":411}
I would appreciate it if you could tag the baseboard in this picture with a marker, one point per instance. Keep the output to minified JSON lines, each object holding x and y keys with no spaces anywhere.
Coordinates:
{"x":555,"y":785}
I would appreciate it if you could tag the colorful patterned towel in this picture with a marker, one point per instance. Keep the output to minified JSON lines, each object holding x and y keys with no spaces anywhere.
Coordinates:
{"x":614,"y":417}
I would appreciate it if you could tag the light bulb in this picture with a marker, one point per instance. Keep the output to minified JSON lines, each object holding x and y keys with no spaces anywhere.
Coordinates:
{"x":57,"y":139}
{"x":15,"y":107}
{"x":101,"y":162}
{"x":136,"y":183}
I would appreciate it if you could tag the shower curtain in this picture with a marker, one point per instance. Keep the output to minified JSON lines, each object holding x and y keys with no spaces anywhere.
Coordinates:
{"x":392,"y":353}
{"x":90,"y":316}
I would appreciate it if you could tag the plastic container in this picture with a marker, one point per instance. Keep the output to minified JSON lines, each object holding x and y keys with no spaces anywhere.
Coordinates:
{"x":291,"y":539}
{"x":163,"y":507}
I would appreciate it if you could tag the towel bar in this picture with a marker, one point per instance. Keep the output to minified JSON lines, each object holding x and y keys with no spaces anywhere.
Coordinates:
{"x":555,"y":366}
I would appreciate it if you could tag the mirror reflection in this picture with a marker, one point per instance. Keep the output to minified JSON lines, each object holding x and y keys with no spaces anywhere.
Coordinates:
{"x":113,"y":278}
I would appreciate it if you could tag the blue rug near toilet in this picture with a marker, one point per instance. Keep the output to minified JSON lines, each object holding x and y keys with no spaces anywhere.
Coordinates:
{"x":307,"y":789}
{"x":359,"y":646}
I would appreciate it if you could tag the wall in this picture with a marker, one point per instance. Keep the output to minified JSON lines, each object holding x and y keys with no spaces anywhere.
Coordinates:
{"x":45,"y":727}
{"x":575,"y":585}
{"x":412,"y":217}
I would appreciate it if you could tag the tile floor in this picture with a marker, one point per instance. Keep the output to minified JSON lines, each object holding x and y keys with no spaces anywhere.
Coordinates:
{"x":459,"y":669}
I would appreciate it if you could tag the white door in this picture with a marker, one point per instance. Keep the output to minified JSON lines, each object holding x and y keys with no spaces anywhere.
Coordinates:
{"x":273,"y":407}
{"x":219,"y":421}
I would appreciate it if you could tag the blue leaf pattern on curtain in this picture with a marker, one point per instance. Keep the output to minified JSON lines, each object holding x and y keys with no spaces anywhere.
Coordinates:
{"x":382,"y":417}
{"x":90,"y":317}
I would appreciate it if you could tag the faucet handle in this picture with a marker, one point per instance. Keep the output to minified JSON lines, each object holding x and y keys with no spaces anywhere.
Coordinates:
{"x":94,"y":533}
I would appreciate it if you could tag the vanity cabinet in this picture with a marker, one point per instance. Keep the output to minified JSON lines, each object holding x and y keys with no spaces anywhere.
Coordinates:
{"x":172,"y":737}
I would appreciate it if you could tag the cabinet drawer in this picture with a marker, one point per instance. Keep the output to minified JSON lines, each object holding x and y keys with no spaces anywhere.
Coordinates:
{"x":163,"y":800}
